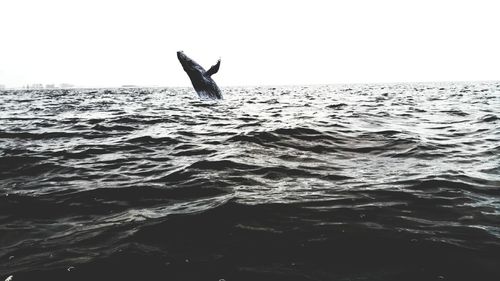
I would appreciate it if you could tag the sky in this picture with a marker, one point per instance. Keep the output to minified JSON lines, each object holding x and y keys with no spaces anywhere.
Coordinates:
{"x":99,"y":43}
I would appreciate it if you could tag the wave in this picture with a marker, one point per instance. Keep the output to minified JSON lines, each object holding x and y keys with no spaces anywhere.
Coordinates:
{"x":385,"y":182}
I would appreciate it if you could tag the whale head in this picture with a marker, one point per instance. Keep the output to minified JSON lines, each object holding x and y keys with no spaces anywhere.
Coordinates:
{"x":181,"y":56}
{"x":188,"y":64}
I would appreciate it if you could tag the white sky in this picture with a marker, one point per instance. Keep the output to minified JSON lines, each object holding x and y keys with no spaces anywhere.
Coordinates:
{"x":111,"y":43}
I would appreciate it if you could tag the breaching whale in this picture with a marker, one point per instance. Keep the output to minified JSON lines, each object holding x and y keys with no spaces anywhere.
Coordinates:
{"x":202,"y":80}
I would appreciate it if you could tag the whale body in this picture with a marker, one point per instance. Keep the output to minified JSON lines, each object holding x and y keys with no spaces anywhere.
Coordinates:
{"x":201,"y":79}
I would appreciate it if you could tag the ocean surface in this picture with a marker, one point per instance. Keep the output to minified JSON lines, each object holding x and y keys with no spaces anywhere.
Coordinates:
{"x":335,"y":182}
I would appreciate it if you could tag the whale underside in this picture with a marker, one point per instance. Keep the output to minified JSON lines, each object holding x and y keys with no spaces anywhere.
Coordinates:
{"x":201,"y":79}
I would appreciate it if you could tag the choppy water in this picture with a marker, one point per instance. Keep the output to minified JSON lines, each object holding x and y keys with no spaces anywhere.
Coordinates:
{"x":357,"y":182}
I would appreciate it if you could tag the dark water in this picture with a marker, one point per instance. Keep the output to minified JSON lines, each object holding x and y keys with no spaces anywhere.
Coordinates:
{"x":357,"y":182}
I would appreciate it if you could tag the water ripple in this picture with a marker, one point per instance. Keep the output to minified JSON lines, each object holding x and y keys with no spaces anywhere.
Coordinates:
{"x":272,"y":183}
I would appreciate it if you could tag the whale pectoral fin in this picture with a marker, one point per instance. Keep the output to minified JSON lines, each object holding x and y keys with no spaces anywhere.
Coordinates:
{"x":214,"y":69}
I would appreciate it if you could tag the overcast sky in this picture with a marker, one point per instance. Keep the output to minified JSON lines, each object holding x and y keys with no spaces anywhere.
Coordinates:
{"x":111,"y":43}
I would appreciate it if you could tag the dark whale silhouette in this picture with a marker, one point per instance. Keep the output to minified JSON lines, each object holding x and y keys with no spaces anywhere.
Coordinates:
{"x":202,"y":81}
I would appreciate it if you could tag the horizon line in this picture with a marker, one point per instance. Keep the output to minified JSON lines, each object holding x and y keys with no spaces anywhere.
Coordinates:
{"x":131,"y":86}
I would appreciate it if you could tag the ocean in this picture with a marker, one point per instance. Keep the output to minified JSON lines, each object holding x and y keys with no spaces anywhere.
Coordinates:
{"x":327,"y":182}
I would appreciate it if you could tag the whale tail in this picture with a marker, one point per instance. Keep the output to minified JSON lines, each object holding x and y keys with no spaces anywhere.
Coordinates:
{"x":213,"y":69}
